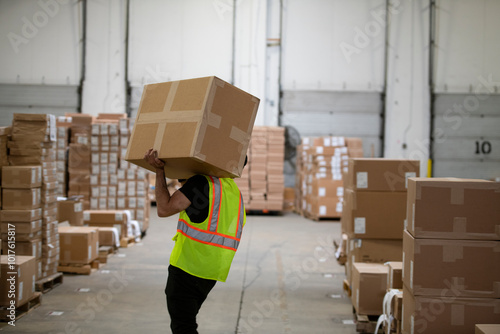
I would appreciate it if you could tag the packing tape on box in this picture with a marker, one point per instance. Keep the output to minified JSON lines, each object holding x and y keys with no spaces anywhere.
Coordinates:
{"x":457,"y":314}
{"x":452,"y":253}
{"x":457,"y":196}
{"x":460,"y":225}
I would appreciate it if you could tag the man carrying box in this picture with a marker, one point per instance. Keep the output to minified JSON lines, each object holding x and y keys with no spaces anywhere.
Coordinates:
{"x":211,"y":220}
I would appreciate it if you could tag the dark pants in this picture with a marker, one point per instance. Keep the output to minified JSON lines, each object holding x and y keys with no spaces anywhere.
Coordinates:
{"x":185,"y":295}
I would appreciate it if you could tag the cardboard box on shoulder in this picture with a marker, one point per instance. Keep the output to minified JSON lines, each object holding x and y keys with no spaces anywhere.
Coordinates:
{"x":198,"y":126}
{"x":78,"y":244}
{"x":452,"y":208}
{"x":25,"y":267}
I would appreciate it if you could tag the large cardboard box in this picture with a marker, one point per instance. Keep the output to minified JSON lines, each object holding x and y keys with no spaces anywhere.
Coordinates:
{"x":70,"y":211}
{"x":369,"y":283}
{"x":20,"y":215}
{"x":374,"y":214}
{"x":487,"y":329}
{"x":78,"y":244}
{"x":452,"y":208}
{"x":27,"y":248}
{"x":21,"y":177}
{"x":23,"y":282}
{"x":108,"y":236}
{"x":395,"y":276}
{"x":440,"y":267}
{"x":21,"y":199}
{"x":21,"y":227}
{"x":380,"y":174}
{"x":448,"y":314}
{"x":34,"y":127}
{"x":198,"y":126}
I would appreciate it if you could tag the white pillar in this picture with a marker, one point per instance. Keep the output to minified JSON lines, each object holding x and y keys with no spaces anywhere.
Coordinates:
{"x":104,"y":85}
{"x":407,"y":122}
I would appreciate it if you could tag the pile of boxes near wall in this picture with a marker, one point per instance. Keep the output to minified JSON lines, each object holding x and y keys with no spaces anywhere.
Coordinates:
{"x":321,"y":162}
{"x":451,"y":256}
{"x":30,"y":190}
{"x":98,"y":172}
{"x":15,"y":221}
{"x":262,"y":183}
{"x":373,"y":220}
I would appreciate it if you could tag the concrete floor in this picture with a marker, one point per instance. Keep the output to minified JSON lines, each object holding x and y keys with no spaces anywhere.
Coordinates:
{"x":284,"y":279}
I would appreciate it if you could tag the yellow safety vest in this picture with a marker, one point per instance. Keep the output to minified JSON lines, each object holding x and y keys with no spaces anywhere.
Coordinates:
{"x":207,"y":249}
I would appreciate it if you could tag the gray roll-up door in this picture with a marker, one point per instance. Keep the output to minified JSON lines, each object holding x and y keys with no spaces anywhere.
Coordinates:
{"x":467,"y":136}
{"x":36,"y":99}
{"x":333,"y":113}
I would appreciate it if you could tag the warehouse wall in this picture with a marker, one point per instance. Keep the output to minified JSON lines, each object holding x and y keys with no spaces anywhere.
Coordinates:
{"x":317,"y":65}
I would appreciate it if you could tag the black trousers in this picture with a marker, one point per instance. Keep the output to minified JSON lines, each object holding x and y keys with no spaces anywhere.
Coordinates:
{"x":185,"y":295}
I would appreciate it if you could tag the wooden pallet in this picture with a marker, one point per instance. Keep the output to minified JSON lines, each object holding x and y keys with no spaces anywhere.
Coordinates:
{"x":79,"y":269}
{"x":105,"y":252}
{"x":366,"y":323}
{"x":264,"y":212}
{"x":315,"y":218}
{"x":46,"y":284}
{"x":22,"y":310}
{"x":127,"y":242}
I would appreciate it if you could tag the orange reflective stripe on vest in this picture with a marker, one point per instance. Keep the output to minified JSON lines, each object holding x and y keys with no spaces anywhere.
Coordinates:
{"x":210,"y":236}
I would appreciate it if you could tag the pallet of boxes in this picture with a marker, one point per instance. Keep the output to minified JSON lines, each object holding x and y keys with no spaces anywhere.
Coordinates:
{"x":451,"y":262}
{"x":33,"y":144}
{"x":321,"y":162}
{"x":263,"y":182}
{"x":198,"y":126}
{"x":373,"y":220}
{"x":79,"y":249}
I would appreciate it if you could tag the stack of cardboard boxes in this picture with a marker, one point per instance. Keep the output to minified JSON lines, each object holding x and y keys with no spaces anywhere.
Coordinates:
{"x":63,"y":124}
{"x":116,"y":222}
{"x":243,"y":183}
{"x":23,"y":282}
{"x":262,"y":183}
{"x":4,"y":138}
{"x":79,"y":248}
{"x":34,"y":143}
{"x":257,"y":169}
{"x":132,"y":181}
{"x":4,"y":161}
{"x":274,"y":169}
{"x":22,"y":213}
{"x":321,"y":162}
{"x":104,"y":165}
{"x":451,"y":262}
{"x":79,"y":157}
{"x":373,"y":219}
